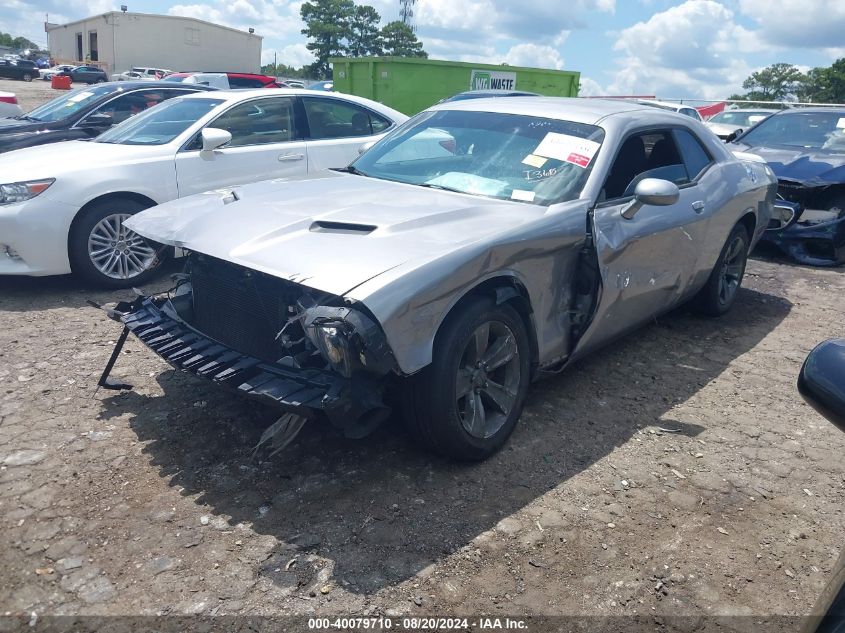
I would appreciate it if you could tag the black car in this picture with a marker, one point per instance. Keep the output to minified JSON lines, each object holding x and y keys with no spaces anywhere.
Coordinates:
{"x":86,"y":112}
{"x":86,"y":75}
{"x":18,"y":69}
{"x":805,"y":147}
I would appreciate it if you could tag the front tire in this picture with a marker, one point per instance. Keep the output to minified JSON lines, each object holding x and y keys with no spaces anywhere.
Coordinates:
{"x":105,"y":253}
{"x":719,"y":293}
{"x":468,"y":401}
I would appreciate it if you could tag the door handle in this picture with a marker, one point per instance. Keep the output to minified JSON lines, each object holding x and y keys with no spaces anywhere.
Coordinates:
{"x":698,"y":206}
{"x":290,"y":157}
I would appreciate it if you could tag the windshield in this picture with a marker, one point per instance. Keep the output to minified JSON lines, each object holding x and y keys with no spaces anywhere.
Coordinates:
{"x":812,"y":130}
{"x":64,"y":106}
{"x":161,"y":124}
{"x":739,"y":117}
{"x":505,"y":156}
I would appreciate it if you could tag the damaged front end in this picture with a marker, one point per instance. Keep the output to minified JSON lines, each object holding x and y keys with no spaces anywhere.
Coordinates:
{"x":268,"y":338}
{"x":816,"y":236}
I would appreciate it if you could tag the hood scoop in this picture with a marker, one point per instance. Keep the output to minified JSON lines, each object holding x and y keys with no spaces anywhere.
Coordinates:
{"x":343,"y":228}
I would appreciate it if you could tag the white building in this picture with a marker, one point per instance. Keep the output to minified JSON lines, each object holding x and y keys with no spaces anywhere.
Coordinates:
{"x":118,"y":41}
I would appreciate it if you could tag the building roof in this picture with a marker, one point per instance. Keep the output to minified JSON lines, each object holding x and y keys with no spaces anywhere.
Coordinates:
{"x":51,"y":27}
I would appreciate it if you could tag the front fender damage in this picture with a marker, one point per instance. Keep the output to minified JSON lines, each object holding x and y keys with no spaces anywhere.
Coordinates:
{"x":345,"y":387}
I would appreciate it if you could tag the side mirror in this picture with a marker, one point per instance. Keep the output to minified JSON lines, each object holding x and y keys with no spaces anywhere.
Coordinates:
{"x":732,"y":136}
{"x":99,"y":121}
{"x":822,"y":380}
{"x":213,"y":137}
{"x":783,"y":214}
{"x":654,"y":192}
{"x":365,"y":147}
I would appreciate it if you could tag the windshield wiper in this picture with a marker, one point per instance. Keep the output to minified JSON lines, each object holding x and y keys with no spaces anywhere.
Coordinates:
{"x":349,"y":170}
{"x":26,"y":117}
{"x":431,"y":185}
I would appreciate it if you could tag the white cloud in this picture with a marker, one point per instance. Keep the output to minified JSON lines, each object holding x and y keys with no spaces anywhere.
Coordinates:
{"x":535,"y":56}
{"x":295,"y":55}
{"x":688,"y":50}
{"x":590,"y":88}
{"x":537,"y":22}
{"x":798,"y":23}
{"x":278,"y":19}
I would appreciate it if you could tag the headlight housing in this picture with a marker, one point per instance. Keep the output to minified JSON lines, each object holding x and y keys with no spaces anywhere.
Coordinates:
{"x":20,"y":191}
{"x":333,"y":345}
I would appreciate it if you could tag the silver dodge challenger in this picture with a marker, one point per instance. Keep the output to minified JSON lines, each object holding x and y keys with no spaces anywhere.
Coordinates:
{"x":477,"y":245}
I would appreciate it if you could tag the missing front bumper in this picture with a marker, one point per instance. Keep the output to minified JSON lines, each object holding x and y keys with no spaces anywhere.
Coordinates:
{"x":354,"y":405}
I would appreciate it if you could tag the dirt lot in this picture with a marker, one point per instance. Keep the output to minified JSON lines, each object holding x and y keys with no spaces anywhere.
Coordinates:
{"x":677,"y":472}
{"x":32,"y":94}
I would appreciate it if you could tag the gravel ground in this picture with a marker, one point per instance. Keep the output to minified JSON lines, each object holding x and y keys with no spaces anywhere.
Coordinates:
{"x":33,"y":94}
{"x":676,"y":472}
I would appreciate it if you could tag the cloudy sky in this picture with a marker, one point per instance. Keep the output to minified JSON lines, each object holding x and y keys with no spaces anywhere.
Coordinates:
{"x":669,"y":48}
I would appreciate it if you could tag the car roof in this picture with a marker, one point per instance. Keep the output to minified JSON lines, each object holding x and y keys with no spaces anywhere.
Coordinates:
{"x":130,"y":85}
{"x":664,"y":104}
{"x":578,"y":110}
{"x":838,"y":110}
{"x":239,"y":94}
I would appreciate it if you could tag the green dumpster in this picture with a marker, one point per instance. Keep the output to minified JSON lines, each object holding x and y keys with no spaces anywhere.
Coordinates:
{"x":411,"y":84}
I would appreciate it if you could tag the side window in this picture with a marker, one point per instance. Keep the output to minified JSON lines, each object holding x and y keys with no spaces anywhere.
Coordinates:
{"x":258,"y":122}
{"x":645,"y":155}
{"x":132,"y":103}
{"x":695,"y":156}
{"x":332,"y":118}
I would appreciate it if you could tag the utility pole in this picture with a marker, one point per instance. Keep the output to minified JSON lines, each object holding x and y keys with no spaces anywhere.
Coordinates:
{"x":407,"y":13}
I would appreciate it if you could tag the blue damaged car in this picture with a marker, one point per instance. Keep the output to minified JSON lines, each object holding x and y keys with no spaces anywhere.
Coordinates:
{"x":806,"y":149}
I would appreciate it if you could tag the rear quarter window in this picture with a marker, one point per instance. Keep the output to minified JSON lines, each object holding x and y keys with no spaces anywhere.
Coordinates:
{"x":695,"y":157}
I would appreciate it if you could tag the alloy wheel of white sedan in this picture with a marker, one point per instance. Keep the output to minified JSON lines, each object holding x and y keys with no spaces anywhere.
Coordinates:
{"x":116,"y":251}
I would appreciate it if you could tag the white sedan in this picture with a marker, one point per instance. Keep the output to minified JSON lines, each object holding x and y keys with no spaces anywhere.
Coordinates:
{"x":9,"y":105}
{"x":62,"y":206}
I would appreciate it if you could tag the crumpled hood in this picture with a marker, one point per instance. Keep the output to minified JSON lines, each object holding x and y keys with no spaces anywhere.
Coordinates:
{"x":330,"y":231}
{"x":807,"y":166}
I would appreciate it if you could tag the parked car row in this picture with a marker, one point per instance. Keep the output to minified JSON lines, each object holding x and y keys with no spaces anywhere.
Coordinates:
{"x":141,"y":73}
{"x":22,"y":69}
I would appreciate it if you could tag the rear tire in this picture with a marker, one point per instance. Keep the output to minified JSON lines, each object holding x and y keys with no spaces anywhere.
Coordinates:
{"x":27,"y":77}
{"x":467,"y":402}
{"x":105,"y":254}
{"x":719,"y":293}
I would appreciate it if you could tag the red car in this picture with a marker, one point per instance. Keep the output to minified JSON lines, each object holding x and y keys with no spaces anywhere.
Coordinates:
{"x":225,"y":80}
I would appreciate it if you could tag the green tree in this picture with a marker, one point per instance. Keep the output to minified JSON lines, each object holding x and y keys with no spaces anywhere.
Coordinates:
{"x":327,"y":26}
{"x":399,"y":40}
{"x":774,"y":83}
{"x":825,"y":84}
{"x":364,"y":37}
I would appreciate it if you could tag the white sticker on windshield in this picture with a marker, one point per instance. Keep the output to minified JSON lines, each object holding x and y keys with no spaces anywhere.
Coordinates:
{"x":534,"y":161}
{"x":571,"y":149}
{"x":841,"y":123}
{"x":80,"y":97}
{"x":522,"y":195}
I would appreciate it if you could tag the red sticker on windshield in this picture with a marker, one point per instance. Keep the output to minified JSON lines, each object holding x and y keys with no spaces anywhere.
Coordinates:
{"x":578,"y":159}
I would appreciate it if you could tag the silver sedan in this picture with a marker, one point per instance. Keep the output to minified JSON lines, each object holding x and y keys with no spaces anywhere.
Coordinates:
{"x":480,"y":243}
